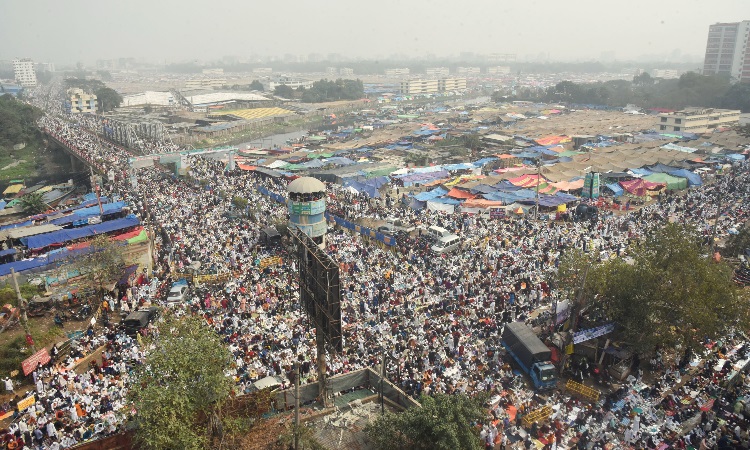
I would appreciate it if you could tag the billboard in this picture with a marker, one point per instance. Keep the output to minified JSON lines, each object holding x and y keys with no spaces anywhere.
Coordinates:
{"x":320,"y":288}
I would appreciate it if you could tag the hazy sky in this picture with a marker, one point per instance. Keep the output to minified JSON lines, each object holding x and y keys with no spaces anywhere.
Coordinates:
{"x":157,"y":30}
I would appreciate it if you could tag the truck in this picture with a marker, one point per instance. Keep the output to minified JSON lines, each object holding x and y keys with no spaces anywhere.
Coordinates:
{"x":530,"y":354}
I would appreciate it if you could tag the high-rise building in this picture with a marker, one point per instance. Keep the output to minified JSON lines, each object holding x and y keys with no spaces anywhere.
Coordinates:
{"x":24,"y":71}
{"x":728,"y":50}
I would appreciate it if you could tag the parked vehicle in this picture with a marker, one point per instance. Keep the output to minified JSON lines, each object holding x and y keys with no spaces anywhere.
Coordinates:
{"x":177,"y":292}
{"x":399,"y":225}
{"x":137,"y":320}
{"x":435,"y":232}
{"x":531,"y":354}
{"x":446,"y":244}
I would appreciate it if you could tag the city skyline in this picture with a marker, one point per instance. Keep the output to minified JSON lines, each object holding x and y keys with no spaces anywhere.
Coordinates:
{"x":170,"y":31}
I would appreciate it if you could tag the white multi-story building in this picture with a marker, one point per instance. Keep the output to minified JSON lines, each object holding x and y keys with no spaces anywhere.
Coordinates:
{"x":468,"y":70}
{"x":498,"y":70}
{"x":437,"y":71}
{"x":432,"y":86}
{"x":728,"y":50}
{"x":81,"y":102}
{"x":697,"y":120}
{"x":47,"y":66}
{"x":24,"y":72}
{"x":667,"y":74}
{"x":397,"y":72}
{"x":346,"y":71}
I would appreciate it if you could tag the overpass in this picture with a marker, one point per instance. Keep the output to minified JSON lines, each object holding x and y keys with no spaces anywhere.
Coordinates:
{"x":78,"y":159}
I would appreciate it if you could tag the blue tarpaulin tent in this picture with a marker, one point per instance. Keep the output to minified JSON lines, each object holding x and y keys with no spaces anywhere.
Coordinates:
{"x":616,"y":189}
{"x":62,"y":236}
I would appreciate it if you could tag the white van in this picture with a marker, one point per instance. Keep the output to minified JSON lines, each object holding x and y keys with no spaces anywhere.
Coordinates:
{"x":446,"y":244}
{"x":437,"y":233}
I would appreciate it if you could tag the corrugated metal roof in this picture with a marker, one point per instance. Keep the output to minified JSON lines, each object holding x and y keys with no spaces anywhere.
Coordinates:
{"x":18,"y":233}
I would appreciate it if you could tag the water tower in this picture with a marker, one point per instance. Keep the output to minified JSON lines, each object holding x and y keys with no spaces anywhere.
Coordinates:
{"x":307,"y":207}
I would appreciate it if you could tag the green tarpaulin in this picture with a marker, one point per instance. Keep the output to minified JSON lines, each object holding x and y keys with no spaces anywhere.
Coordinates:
{"x":673,"y":183}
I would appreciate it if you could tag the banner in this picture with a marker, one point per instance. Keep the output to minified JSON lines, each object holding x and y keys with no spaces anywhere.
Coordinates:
{"x":591,"y":333}
{"x":25,"y":403}
{"x":562,"y":311}
{"x":497,"y":213}
{"x":30,"y":364}
{"x":274,"y":261}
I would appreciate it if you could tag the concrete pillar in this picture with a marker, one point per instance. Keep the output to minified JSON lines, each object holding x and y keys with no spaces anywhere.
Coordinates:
{"x":73,"y":163}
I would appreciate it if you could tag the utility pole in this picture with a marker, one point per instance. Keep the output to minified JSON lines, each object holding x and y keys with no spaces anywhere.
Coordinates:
{"x":382,"y":385}
{"x":538,"y":182}
{"x":575,"y":309}
{"x":22,"y":304}
{"x":296,"y":405}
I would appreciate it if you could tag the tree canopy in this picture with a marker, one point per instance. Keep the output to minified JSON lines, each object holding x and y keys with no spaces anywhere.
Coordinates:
{"x":691,"y":89}
{"x":284,"y":91}
{"x":33,"y":203}
{"x":180,"y":386}
{"x":256,"y":85}
{"x":330,"y":91}
{"x":443,"y":422}
{"x":17,"y":122}
{"x":108,"y":98}
{"x":104,"y":264}
{"x":671,"y":294}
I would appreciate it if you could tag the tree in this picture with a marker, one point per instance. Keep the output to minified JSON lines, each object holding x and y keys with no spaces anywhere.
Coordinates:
{"x":256,"y":85}
{"x":181,"y":386}
{"x":33,"y":203}
{"x":443,"y":422}
{"x":283,"y":91}
{"x":643,"y":79}
{"x":102,"y":265}
{"x":108,"y":99}
{"x":738,"y":243}
{"x":671,"y":294}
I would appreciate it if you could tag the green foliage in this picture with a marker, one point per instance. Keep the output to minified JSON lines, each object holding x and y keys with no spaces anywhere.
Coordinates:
{"x":283,"y":91}
{"x":12,"y":353}
{"x":33,"y":203}
{"x":306,"y":438}
{"x":256,"y":85}
{"x":180,"y":385}
{"x":443,"y":422}
{"x":692,"y":89}
{"x":17,"y":122}
{"x":736,"y":244}
{"x":108,"y":98}
{"x":239,"y":202}
{"x":670,"y":295}
{"x":329,"y":91}
{"x":103,"y":265}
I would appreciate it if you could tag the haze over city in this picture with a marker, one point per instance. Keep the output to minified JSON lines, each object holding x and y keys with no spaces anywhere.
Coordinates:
{"x":174,"y":31}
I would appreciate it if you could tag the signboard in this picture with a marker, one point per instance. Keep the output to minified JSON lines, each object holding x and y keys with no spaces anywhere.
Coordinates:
{"x":265,"y":262}
{"x":497,"y":213}
{"x":30,"y":364}
{"x":25,"y":403}
{"x":591,"y":333}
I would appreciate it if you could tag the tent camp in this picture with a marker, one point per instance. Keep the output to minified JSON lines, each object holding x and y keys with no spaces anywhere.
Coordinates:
{"x":640,"y":187}
{"x":673,"y":183}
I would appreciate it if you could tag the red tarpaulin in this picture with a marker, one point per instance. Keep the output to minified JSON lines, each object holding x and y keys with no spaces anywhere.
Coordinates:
{"x":460,"y":194}
{"x":29,"y":364}
{"x":639,"y":187}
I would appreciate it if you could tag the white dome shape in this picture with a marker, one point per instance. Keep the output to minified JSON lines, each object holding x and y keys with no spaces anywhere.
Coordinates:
{"x":306,"y":185}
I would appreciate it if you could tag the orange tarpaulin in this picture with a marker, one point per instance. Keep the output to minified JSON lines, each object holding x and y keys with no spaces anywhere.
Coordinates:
{"x":480,"y":203}
{"x":568,"y":185}
{"x":246,"y":167}
{"x":553,"y":140}
{"x":460,"y":194}
{"x":527,"y":180}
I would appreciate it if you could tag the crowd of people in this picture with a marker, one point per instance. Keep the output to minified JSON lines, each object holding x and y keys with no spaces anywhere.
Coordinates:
{"x":439,"y":319}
